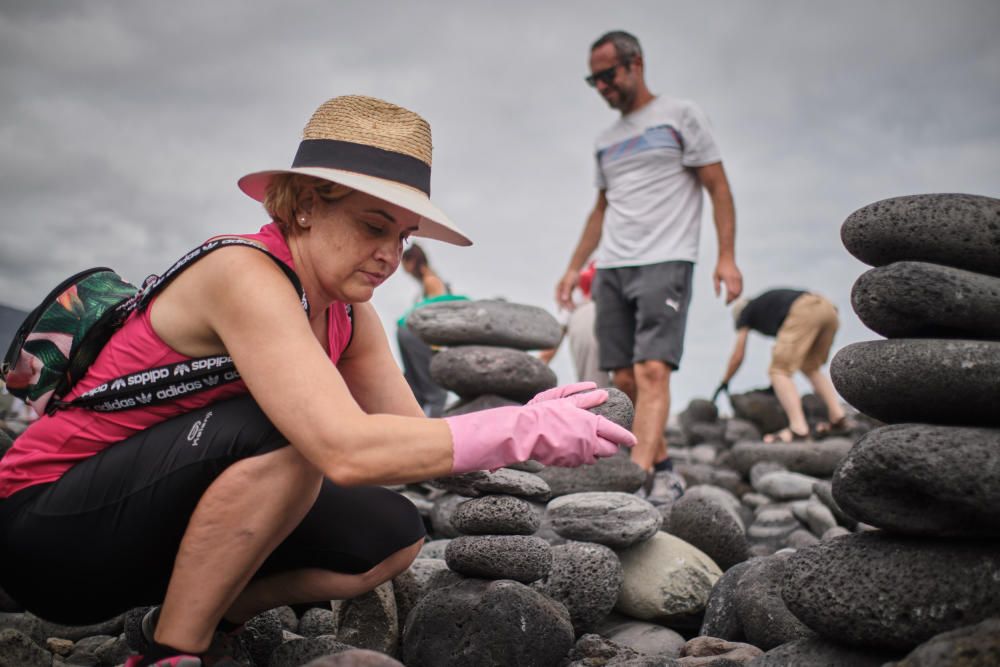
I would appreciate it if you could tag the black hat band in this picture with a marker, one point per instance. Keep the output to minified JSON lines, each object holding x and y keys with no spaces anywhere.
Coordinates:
{"x":363,"y":159}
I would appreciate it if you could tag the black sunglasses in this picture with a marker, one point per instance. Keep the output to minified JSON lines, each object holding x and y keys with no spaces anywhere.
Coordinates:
{"x":605,"y":76}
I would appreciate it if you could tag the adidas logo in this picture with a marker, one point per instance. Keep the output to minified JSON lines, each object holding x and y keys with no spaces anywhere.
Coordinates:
{"x":211,"y":380}
{"x":144,"y":398}
{"x":118,"y":384}
{"x":182,"y":369}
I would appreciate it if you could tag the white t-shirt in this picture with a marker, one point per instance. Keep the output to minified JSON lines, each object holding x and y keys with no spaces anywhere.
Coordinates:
{"x":644,"y":163}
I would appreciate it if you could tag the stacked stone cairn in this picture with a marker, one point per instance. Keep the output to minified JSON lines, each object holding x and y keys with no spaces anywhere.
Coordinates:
{"x":929,"y":482}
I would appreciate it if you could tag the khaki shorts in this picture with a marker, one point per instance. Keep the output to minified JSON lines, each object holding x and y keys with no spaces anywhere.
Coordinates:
{"x":803,"y":342}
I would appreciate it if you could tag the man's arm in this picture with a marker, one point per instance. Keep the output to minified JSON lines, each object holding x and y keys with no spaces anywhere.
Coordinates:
{"x":736,"y":359}
{"x":713,"y":177}
{"x":584,"y":248}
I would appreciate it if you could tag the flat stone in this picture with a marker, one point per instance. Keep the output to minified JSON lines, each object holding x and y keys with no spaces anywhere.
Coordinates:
{"x":478,"y":622}
{"x":708,"y":518}
{"x":503,"y":481}
{"x":519,"y":557}
{"x":922,"y":380}
{"x":957,"y":230}
{"x":819,"y":652}
{"x":497,"y":515}
{"x":764,"y":617}
{"x":617,"y":520}
{"x":800,"y":539}
{"x":818,"y":459}
{"x":819,"y":518}
{"x":666,"y":580}
{"x":473,"y":370}
{"x":872,"y":589}
{"x":712,"y":475}
{"x":785,"y":485}
{"x":712,"y":651}
{"x":924,"y":480}
{"x":615,"y":473}
{"x":771,"y":527}
{"x":586,"y":578}
{"x":921,"y":300}
{"x":823,"y":490}
{"x":486,"y":322}
{"x":970,"y":646}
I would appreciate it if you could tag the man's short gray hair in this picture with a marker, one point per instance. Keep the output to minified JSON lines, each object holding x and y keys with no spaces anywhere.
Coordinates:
{"x":626,"y":45}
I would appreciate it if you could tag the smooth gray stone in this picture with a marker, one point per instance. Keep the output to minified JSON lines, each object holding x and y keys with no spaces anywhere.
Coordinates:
{"x":473,"y":370}
{"x":800,"y":539}
{"x":922,"y":380}
{"x":772,"y":527}
{"x":506,"y":481}
{"x":434,"y":548}
{"x":819,"y":518}
{"x":478,"y":622}
{"x":761,"y":408}
{"x":707,"y":517}
{"x":484,"y":402}
{"x":873,"y":589}
{"x":498,"y":515}
{"x":921,"y":479}
{"x":818,"y":459}
{"x":740,"y":429}
{"x":498,"y":323}
{"x":835,"y":532}
{"x":441,"y":513}
{"x":819,"y":652}
{"x":646,"y":638}
{"x":758,"y":470}
{"x":586,"y":578}
{"x":519,"y":557}
{"x":698,"y":411}
{"x":715,"y":652}
{"x":414,"y":583}
{"x":19,"y":650}
{"x":617,"y":520}
{"x":959,"y":230}
{"x":921,"y":300}
{"x":712,"y":475}
{"x":721,"y":618}
{"x":824,"y":491}
{"x":615,"y":473}
{"x":970,"y":646}
{"x":707,"y":433}
{"x":785,"y":485}
{"x":763,"y":614}
{"x":592,"y":649}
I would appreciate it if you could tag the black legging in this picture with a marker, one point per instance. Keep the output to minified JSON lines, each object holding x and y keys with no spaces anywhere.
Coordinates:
{"x":102,"y":539}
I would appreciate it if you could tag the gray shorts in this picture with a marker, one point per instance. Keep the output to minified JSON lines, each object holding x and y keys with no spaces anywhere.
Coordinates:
{"x":642,"y":313}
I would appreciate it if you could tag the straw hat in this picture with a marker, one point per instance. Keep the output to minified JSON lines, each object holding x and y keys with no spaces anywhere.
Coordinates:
{"x":373,"y":146}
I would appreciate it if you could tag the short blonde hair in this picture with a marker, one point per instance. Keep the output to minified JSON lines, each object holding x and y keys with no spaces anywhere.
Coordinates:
{"x":286,"y":192}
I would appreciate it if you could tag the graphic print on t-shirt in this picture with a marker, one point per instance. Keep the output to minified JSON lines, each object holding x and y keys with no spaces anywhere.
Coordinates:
{"x":660,"y":136}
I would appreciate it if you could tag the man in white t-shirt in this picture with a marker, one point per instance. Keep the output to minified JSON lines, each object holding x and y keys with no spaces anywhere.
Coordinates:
{"x":652,"y":164}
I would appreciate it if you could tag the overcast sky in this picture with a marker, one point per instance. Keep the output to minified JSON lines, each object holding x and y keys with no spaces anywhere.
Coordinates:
{"x":124,"y":127}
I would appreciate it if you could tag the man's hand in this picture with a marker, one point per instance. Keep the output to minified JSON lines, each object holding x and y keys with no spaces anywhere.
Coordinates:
{"x":564,"y":289}
{"x":727,"y":272}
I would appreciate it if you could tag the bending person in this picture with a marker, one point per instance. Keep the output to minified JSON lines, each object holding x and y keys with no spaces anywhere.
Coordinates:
{"x":414,"y":352}
{"x":803,"y":326}
{"x":264,"y":491}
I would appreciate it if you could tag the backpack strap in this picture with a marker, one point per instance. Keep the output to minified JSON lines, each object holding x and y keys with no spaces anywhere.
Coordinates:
{"x":164,"y":383}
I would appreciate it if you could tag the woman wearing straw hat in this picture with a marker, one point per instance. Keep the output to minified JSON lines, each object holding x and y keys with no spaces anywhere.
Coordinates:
{"x":261,"y":491}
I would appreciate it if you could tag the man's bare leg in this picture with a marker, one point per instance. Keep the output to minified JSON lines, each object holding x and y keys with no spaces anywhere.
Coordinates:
{"x":229,"y":536}
{"x":624,"y":380}
{"x":652,"y":407}
{"x":788,"y":396}
{"x":824,"y":389}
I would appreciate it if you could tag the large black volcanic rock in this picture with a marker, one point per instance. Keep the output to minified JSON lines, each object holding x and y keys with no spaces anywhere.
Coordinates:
{"x":924,"y":480}
{"x":921,"y":300}
{"x":872,"y":589}
{"x":922,"y":380}
{"x":957,"y":230}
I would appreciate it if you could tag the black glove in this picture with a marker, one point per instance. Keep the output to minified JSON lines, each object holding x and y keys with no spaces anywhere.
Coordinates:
{"x":724,"y":387}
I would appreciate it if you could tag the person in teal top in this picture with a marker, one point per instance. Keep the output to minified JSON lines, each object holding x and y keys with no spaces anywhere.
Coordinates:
{"x":414,"y":352}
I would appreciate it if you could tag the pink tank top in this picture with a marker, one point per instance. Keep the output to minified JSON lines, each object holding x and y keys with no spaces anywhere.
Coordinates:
{"x":53,"y":444}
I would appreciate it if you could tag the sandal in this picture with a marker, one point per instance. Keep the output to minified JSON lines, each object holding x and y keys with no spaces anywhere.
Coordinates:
{"x":787,"y":435}
{"x":843,"y":426}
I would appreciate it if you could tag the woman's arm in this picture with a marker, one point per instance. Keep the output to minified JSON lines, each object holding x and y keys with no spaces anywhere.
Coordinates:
{"x":371,"y":372}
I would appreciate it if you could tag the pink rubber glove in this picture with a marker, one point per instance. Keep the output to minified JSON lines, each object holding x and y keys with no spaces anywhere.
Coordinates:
{"x":562,"y":392}
{"x":556,"y":432}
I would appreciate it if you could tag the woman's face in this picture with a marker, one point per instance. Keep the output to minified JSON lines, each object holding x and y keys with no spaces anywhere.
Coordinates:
{"x":354,"y":244}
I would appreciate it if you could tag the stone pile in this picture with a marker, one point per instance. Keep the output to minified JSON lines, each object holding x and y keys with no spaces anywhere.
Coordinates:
{"x":929,"y":481}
